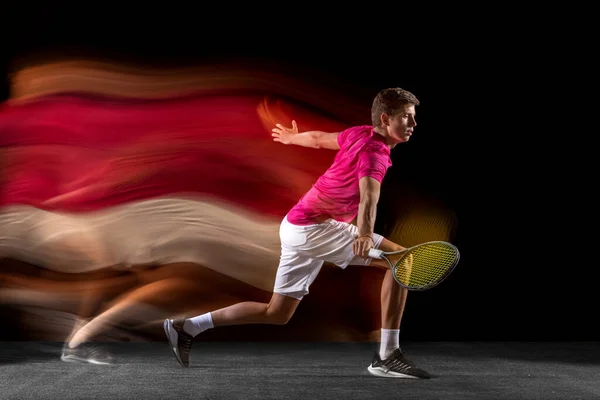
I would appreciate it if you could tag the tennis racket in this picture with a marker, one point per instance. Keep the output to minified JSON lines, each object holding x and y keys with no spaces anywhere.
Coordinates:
{"x":421,"y":267}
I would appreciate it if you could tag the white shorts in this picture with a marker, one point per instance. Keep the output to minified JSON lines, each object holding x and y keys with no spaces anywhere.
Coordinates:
{"x":305,"y":248}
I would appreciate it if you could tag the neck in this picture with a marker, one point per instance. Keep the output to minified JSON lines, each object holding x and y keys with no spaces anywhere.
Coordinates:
{"x":383,"y":133}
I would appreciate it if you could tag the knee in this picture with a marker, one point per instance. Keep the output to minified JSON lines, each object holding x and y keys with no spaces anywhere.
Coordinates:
{"x":278,"y":315}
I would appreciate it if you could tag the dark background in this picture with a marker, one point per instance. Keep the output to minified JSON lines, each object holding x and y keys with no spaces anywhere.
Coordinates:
{"x":477,"y":79}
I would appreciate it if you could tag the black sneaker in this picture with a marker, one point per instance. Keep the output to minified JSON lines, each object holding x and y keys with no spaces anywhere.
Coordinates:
{"x":181,"y":342}
{"x":86,"y":352}
{"x":396,"y":366}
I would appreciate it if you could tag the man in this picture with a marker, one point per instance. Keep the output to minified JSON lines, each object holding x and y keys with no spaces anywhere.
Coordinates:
{"x":318,"y":229}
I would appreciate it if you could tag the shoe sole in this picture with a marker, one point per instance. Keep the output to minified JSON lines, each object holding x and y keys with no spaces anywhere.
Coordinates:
{"x":79,"y":359}
{"x":167,"y":325}
{"x":390,"y":374}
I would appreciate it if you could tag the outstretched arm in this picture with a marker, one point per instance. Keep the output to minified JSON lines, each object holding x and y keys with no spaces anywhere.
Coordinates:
{"x":314,"y":139}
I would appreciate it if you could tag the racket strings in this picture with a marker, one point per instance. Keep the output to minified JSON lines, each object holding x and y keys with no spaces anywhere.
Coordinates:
{"x":425,"y":265}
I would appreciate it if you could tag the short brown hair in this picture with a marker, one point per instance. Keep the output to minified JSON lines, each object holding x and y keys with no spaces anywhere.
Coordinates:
{"x":390,"y":101}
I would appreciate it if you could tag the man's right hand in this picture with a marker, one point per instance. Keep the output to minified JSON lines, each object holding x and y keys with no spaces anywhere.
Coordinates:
{"x":284,"y":135}
{"x":362,"y":245}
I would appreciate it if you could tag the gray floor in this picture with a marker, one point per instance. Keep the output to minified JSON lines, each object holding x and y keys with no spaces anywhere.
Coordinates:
{"x":260,"y":370}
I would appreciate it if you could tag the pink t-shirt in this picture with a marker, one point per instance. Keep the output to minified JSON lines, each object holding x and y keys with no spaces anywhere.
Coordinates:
{"x":336,"y":193}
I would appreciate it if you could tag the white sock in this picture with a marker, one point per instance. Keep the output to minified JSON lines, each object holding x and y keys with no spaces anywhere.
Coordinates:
{"x":199,"y":324}
{"x":390,"y":341}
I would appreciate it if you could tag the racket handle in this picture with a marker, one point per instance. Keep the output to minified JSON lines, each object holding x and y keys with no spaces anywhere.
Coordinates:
{"x":375,"y":253}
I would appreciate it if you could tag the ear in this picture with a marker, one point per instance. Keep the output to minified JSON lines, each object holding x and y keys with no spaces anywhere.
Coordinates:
{"x":385,"y":119}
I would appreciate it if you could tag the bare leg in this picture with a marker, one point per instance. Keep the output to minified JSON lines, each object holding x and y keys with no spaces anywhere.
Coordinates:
{"x":163,"y":292}
{"x":390,"y":361}
{"x":393,"y":296}
{"x":90,"y":301}
{"x":278,"y":312}
{"x":135,"y":306}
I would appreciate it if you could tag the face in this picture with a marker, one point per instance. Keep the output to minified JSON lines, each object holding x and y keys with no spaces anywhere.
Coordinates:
{"x":399,"y":128}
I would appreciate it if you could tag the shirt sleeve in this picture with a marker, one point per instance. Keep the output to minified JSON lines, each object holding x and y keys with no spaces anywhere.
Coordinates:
{"x":343,"y":137}
{"x":372,"y":162}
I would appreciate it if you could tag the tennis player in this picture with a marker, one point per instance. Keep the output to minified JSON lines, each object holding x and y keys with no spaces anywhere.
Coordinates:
{"x":319,"y":229}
